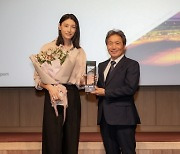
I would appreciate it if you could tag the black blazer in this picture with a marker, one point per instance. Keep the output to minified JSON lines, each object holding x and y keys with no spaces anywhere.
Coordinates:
{"x":118,"y":103}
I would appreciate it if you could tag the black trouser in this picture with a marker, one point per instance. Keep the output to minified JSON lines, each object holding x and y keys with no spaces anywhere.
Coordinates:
{"x":59,"y":138}
{"x":118,"y":139}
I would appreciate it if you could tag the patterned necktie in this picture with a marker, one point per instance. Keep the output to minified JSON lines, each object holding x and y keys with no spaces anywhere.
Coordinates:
{"x":110,"y":69}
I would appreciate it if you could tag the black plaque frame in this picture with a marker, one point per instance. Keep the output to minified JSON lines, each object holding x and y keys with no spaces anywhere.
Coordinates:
{"x":90,"y":71}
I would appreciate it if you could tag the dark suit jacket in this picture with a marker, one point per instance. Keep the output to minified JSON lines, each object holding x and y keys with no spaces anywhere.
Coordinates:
{"x":118,"y":103}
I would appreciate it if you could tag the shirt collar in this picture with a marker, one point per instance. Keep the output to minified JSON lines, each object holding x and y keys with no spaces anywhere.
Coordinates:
{"x":118,"y":59}
{"x":62,"y":47}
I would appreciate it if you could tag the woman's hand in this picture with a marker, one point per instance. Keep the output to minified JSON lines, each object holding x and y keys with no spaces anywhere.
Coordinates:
{"x":83,"y":80}
{"x":53,"y":92}
{"x":88,"y":79}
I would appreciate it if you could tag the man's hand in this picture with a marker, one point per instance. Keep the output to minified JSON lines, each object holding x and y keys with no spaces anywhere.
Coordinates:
{"x":99,"y":91}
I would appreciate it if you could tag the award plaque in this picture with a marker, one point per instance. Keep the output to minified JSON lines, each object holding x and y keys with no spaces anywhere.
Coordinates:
{"x":90,"y":76}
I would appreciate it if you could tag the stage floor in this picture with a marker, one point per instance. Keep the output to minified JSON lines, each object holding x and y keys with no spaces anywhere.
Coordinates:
{"x":91,"y":143}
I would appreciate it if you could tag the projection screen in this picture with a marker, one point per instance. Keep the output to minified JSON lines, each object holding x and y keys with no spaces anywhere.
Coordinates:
{"x":152,"y":29}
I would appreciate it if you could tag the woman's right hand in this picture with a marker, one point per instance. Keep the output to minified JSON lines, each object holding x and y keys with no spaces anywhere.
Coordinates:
{"x":54,"y":92}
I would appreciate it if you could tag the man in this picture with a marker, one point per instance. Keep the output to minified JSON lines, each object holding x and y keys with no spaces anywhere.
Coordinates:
{"x":116,"y":86}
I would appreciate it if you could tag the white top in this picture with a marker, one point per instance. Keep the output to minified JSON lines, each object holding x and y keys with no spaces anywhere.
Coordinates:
{"x":70,"y":71}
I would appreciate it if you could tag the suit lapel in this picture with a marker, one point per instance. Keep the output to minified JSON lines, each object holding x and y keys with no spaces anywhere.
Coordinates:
{"x":103,"y":67}
{"x":118,"y":66}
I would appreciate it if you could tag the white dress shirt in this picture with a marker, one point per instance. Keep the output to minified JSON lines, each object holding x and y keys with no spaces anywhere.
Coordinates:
{"x":109,"y":65}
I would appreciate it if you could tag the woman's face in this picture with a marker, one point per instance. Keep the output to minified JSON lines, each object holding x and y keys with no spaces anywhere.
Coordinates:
{"x":68,"y":29}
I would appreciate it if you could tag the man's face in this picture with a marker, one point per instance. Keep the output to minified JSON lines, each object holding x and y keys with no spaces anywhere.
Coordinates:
{"x":115,"y":46}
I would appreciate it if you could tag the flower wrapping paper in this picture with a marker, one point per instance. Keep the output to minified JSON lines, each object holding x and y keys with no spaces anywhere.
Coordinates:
{"x":47,"y":72}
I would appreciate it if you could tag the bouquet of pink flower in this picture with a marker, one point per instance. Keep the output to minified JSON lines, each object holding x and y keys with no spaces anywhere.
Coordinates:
{"x":50,"y":55}
{"x":47,"y":64}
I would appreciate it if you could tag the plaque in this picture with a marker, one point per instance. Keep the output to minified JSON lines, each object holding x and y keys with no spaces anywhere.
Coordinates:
{"x":90,"y":76}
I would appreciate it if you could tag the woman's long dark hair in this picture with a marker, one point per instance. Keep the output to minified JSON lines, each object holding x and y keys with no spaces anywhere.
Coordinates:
{"x":76,"y":38}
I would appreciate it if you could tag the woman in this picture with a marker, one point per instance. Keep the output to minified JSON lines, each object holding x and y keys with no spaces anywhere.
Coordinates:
{"x":61,"y":131}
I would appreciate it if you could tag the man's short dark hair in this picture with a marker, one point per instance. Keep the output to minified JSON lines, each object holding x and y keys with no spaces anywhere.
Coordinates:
{"x":116,"y":32}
